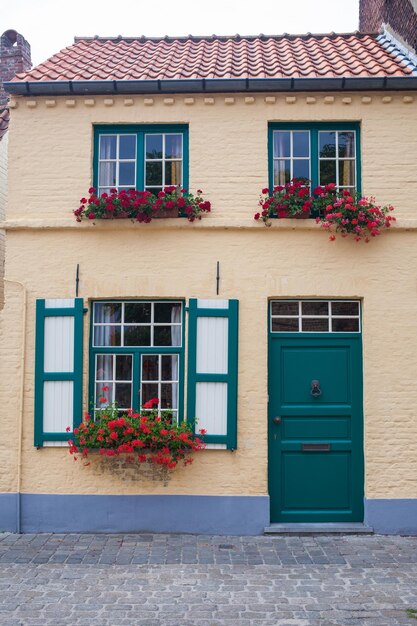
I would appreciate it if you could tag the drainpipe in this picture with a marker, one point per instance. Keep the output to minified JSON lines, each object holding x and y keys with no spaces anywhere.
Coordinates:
{"x":21,"y":402}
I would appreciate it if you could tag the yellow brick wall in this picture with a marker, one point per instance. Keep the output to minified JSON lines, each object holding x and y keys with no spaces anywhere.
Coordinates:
{"x":3,"y":196}
{"x":228,"y":159}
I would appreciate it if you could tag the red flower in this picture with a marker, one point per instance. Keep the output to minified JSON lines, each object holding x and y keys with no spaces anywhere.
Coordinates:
{"x":202,"y":431}
{"x":265,"y":190}
{"x":114,"y":435}
{"x":67,"y":429}
{"x":153,"y":402}
{"x":102,"y":400}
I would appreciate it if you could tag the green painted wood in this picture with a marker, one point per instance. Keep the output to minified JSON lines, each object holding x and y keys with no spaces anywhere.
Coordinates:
{"x":232,"y":314}
{"x":314,"y":128}
{"x":140,"y":130}
{"x":41,"y":376}
{"x":137,"y":352}
{"x":315,"y":486}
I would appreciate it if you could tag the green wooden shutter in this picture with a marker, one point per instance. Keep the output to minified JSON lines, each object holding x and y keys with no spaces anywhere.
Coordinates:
{"x":212,"y":369}
{"x":58,"y":368}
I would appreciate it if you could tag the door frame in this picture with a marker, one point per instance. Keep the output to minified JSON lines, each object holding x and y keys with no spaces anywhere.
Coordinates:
{"x":359,"y":469}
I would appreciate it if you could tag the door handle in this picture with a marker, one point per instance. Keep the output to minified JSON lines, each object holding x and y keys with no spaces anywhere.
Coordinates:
{"x":277,"y":420}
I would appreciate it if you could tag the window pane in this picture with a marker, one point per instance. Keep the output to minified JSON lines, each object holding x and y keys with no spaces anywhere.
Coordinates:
{"x":285,"y":308}
{"x":123,"y":395}
{"x":327,"y":172}
{"x":327,"y":144}
{"x":127,"y":174}
{"x":167,"y":336}
{"x":101,"y":395}
{"x":281,"y":325}
{"x":168,"y":398}
{"x":169,"y":368}
{"x":127,"y":147}
{"x":173,"y":146}
{"x":108,"y":145}
{"x":301,"y":169}
{"x":282,"y":172}
{"x":173,"y":172}
{"x":346,"y":173}
{"x":104,"y":367}
{"x":350,"y":325}
{"x":345,"y":308}
{"x":347,"y":144}
{"x":153,"y":146}
{"x":282,"y":146}
{"x":301,"y":144}
{"x":315,"y":308}
{"x":107,"y":174}
{"x":107,"y":335}
{"x":123,"y":367}
{"x":167,"y":312}
{"x":137,"y":313}
{"x":137,"y":335}
{"x":150,"y":367}
{"x":315,"y":325}
{"x":107,"y":312}
{"x":154,"y":173}
{"x":149,"y":391}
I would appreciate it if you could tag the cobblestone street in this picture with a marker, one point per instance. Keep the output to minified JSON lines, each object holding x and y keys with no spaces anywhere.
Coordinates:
{"x":184,"y":580}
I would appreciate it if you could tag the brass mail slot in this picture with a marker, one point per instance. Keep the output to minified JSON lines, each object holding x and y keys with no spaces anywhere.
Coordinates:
{"x":315,"y":447}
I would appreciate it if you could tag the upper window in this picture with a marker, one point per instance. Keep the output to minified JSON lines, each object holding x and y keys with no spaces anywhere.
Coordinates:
{"x":140,"y":157}
{"x":322,"y":153}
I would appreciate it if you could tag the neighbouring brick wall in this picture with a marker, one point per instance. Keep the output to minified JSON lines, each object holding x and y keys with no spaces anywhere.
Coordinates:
{"x":397,"y":16}
{"x":3,"y":196}
{"x":14,"y":58}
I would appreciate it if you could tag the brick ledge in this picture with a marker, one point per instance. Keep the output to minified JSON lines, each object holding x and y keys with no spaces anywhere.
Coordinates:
{"x":177,"y":224}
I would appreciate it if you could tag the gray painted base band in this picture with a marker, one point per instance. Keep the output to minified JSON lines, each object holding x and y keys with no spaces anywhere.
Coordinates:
{"x":392,"y":517}
{"x":234,"y":515}
{"x":222,"y":515}
{"x":8,"y":512}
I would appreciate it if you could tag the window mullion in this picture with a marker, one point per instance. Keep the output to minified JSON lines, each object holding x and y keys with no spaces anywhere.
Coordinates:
{"x":140,"y":161}
{"x":337,"y":158}
{"x":314,"y":158}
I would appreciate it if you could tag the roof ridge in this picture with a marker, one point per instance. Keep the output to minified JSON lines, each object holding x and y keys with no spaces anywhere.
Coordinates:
{"x":237,"y":37}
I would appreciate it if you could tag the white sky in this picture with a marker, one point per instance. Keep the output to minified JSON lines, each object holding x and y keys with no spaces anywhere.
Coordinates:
{"x":50,"y":25}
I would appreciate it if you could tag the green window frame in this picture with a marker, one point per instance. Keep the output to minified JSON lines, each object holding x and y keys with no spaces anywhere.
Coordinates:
{"x":137,"y":354}
{"x":138,"y":162}
{"x":317,"y":133}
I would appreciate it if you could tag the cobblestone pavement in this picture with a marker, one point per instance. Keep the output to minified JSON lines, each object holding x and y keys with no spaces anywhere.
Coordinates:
{"x":185,"y":580}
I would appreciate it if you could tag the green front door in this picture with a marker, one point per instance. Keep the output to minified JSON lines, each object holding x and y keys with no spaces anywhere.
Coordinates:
{"x":315,"y":425}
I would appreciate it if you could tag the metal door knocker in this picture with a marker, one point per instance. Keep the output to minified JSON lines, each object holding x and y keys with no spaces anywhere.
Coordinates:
{"x":315,"y":388}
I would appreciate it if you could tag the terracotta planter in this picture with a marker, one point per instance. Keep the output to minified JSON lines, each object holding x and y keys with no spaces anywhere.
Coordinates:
{"x":164,"y":213}
{"x":301,"y":216}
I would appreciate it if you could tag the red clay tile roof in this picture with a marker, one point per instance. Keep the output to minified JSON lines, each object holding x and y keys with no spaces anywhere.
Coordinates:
{"x":4,"y":122}
{"x":260,"y":57}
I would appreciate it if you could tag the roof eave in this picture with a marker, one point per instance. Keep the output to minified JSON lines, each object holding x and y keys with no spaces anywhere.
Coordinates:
{"x":209,"y":85}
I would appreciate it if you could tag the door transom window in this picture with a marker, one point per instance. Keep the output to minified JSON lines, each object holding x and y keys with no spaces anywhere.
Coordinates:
{"x":315,"y":316}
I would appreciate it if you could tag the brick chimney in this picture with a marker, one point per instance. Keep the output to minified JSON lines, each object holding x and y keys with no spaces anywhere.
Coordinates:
{"x":397,"y":17}
{"x":14,"y":58}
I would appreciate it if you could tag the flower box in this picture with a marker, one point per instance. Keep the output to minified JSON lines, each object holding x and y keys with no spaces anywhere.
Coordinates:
{"x":145,"y":437}
{"x":142,"y":206}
